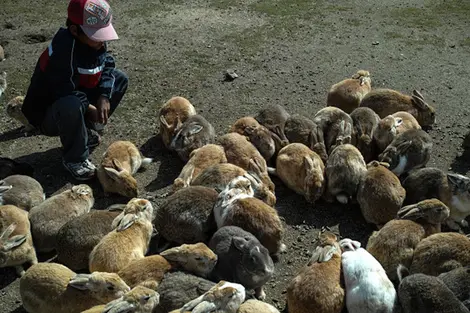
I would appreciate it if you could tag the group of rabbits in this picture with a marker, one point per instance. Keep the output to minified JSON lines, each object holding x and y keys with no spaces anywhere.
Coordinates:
{"x":222,"y":230}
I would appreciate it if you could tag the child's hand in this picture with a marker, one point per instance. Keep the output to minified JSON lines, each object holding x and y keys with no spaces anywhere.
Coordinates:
{"x":103,"y":107}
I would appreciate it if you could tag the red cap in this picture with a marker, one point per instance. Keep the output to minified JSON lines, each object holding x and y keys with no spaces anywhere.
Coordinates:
{"x":94,"y":17}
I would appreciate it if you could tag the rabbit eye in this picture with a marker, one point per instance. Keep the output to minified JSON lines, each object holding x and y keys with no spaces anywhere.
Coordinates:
{"x":198,"y":258}
{"x":110,"y":288}
{"x":146,"y":298}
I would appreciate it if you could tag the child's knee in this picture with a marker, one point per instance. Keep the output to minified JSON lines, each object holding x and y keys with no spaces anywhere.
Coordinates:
{"x":70,"y":107}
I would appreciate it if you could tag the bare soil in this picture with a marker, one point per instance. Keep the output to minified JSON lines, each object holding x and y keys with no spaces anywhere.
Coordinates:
{"x":287,"y":52}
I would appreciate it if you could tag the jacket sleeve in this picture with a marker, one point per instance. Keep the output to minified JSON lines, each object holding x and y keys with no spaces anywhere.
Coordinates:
{"x":106,"y":83}
{"x":61,"y":72}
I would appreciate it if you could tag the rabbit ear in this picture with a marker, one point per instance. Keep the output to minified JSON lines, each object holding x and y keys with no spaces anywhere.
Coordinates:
{"x":195,"y":128}
{"x":164,"y":122}
{"x":239,"y":242}
{"x":309,"y":164}
{"x":81,"y":190}
{"x":249,"y":130}
{"x":118,"y":165}
{"x":322,"y":254}
{"x":256,"y":166}
{"x":7,"y":232}
{"x":404,"y":146}
{"x":398,"y":121}
{"x":126,"y":221}
{"x":5,"y":188}
{"x":80,"y":281}
{"x":116,"y":207}
{"x":112,"y":173}
{"x":13,"y":242}
{"x":459,"y":182}
{"x":187,"y":174}
{"x":417,"y":94}
{"x":410,"y":212}
{"x":119,"y":307}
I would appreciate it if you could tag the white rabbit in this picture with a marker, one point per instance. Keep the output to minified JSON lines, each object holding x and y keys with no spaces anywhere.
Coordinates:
{"x":368,"y":289}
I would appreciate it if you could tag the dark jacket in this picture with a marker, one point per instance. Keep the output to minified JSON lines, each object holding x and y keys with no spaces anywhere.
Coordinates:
{"x":67,"y":67}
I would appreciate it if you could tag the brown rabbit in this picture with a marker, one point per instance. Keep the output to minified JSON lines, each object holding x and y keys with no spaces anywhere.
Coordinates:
{"x":302,"y":170}
{"x":440,"y":253}
{"x":274,"y":118}
{"x":77,"y":238}
{"x":16,"y":242}
{"x":365,"y":123}
{"x":256,"y":306}
{"x":186,"y":216}
{"x":199,"y":160}
{"x":347,"y":94}
{"x":452,"y":189}
{"x":391,"y":126}
{"x":336,"y":125}
{"x":14,"y":111}
{"x":380,"y":194}
{"x":257,"y":134}
{"x":386,"y":102}
{"x":120,"y":162}
{"x":128,"y":241}
{"x":172,"y":115}
{"x":395,"y":243}
{"x":240,"y":151}
{"x":218,"y":176}
{"x":235,"y":207}
{"x":48,"y":217}
{"x":303,"y":130}
{"x":52,"y":287}
{"x":344,"y":170}
{"x":317,"y":287}
{"x":409,"y":150}
{"x":149,"y":271}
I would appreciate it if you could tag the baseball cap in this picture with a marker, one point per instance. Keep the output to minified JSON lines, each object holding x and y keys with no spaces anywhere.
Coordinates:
{"x":94,"y":17}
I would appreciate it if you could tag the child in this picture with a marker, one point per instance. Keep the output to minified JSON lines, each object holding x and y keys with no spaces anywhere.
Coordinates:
{"x":75,"y":86}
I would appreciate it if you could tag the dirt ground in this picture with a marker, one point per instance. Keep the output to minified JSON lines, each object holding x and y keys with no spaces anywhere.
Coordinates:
{"x":287,"y":52}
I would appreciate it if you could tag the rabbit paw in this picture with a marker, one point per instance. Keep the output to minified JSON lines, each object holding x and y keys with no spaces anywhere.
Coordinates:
{"x":260,"y":294}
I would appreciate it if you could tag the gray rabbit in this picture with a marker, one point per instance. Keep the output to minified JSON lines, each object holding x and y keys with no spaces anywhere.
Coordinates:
{"x":195,"y":132}
{"x":458,"y":281}
{"x":241,"y":259}
{"x":274,"y":118}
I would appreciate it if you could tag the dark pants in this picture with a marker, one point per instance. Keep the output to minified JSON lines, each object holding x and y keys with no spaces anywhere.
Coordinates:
{"x":66,"y":118}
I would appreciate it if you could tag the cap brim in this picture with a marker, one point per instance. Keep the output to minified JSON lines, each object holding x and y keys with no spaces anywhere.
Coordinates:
{"x":100,"y":34}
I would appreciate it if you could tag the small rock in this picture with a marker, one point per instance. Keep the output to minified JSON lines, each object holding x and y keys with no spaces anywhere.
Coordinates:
{"x":230,"y":75}
{"x":375,"y":43}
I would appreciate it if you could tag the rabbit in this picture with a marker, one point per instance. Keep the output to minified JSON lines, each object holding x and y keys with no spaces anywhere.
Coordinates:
{"x":240,"y":151}
{"x":347,"y":94}
{"x":441,"y":252}
{"x":52,"y":287}
{"x":336,"y":125}
{"x":120,"y":162}
{"x":420,"y":293}
{"x":302,"y":170}
{"x":172,"y":115}
{"x":409,"y":150}
{"x":195,"y":132}
{"x":395,"y":243}
{"x":25,"y":192}
{"x":77,"y":238}
{"x":365,"y":123}
{"x":149,"y":271}
{"x":10,"y":167}
{"x":256,"y":306}
{"x":218,"y":176}
{"x":186,"y":216}
{"x":274,"y":118}
{"x":48,"y":217}
{"x":452,"y":189}
{"x":391,"y":126}
{"x":139,"y":300}
{"x":385,"y":102}
{"x":3,"y":83}
{"x":368,"y":289}
{"x":241,"y":259}
{"x":129,"y":240}
{"x":199,"y":160}
{"x":380,"y":194}
{"x":16,"y":242}
{"x":257,"y":134}
{"x":317,"y":287}
{"x":225,"y":297}
{"x":300,"y":129}
{"x":344,"y":171}
{"x":458,"y":281}
{"x":236,"y":207}
{"x":178,"y":288}
{"x":14,"y":111}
